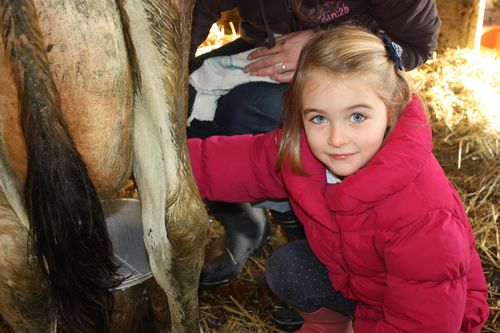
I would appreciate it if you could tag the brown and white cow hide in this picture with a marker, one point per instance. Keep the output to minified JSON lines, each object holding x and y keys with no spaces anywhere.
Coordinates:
{"x":91,"y":90}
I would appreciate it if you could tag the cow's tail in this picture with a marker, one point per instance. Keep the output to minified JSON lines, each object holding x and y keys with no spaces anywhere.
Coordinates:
{"x":67,"y":223}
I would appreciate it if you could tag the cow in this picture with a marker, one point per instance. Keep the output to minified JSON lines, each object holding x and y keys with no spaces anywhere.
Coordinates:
{"x":92,"y":91}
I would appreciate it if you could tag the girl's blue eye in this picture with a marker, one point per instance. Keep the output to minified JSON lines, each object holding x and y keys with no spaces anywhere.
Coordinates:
{"x":318,"y":119}
{"x":357,"y":117}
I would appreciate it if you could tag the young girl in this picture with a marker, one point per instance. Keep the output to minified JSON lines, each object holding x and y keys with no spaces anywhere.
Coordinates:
{"x":388,"y":240}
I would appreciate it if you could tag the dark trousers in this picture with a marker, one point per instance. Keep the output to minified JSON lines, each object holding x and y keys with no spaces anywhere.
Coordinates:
{"x":250,"y":108}
{"x":297,"y":277}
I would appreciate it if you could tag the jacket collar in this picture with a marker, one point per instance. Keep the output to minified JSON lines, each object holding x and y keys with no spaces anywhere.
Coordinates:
{"x":308,"y":192}
{"x":395,"y":166}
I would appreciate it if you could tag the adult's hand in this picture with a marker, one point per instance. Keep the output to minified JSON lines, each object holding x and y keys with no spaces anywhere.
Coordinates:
{"x":280,"y":62}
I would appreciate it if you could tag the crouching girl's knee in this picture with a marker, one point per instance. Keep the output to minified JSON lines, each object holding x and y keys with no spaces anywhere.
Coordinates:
{"x":284,"y":269}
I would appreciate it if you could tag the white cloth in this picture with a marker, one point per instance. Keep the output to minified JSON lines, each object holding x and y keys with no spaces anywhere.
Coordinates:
{"x":215,"y":78}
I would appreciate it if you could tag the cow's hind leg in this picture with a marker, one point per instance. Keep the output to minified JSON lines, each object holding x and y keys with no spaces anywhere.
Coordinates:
{"x":23,"y":301}
{"x":174,"y":219}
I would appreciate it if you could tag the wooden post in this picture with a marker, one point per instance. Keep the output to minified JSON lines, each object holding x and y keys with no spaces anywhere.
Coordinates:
{"x":460,"y":23}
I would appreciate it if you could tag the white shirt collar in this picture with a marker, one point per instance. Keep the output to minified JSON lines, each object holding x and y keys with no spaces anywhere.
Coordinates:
{"x":331,"y":178}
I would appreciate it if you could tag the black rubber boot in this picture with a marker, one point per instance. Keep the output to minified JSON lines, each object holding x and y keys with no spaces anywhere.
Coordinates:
{"x":246,"y":228}
{"x":292,"y":228}
{"x":287,"y":319}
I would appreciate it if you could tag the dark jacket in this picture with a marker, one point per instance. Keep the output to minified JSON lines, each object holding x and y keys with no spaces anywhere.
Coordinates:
{"x":413,"y":24}
{"x":394,"y":235}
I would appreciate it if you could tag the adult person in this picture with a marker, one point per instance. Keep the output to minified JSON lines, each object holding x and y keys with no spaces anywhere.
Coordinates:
{"x":388,"y":239}
{"x":279,"y":29}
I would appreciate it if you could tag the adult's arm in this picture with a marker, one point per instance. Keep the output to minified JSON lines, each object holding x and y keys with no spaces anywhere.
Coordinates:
{"x":237,"y":168}
{"x":413,"y":24}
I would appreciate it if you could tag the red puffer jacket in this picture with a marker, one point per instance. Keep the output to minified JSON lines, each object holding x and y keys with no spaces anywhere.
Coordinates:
{"x":394,"y":235}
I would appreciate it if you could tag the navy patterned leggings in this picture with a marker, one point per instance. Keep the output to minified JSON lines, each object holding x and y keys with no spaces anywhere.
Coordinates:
{"x":297,"y":277}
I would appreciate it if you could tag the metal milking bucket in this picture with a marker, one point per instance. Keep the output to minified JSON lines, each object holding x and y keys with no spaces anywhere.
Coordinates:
{"x":133,"y":309}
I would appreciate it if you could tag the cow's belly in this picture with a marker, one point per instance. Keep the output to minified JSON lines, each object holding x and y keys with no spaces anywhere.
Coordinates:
{"x":89,"y":63}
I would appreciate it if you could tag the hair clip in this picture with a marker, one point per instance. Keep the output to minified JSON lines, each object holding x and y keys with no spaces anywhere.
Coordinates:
{"x":395,"y":51}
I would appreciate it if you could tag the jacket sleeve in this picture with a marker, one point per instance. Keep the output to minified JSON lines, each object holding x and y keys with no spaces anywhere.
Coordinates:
{"x":428,"y":266}
{"x":237,"y":168}
{"x":203,"y":19}
{"x":413,"y":24}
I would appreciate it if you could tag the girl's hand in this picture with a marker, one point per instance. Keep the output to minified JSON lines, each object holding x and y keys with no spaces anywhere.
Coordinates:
{"x":280,"y":62}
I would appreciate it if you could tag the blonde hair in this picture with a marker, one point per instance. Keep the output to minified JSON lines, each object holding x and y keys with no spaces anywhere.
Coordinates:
{"x":339,"y":52}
